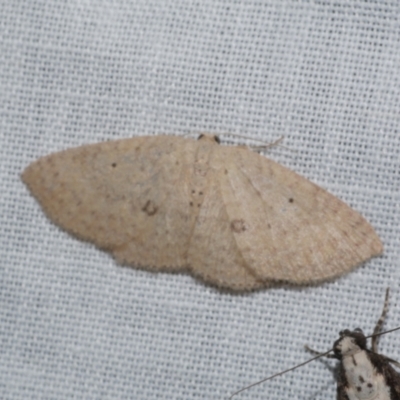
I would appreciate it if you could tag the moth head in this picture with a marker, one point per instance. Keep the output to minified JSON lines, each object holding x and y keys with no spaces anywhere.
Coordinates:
{"x":349,"y":343}
{"x":210,"y":138}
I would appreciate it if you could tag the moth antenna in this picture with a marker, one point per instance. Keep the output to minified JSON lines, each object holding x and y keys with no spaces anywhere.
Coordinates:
{"x":263,"y":146}
{"x":229,"y":134}
{"x":312,"y":351}
{"x":317,"y":353}
{"x":280,"y":373}
{"x":269,"y":145}
{"x":379,"y":324}
{"x":256,"y":148}
{"x":247,"y":137}
{"x":383,"y":333}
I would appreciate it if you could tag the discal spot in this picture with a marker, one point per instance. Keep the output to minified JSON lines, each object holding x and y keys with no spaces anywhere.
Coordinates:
{"x":150,"y":208}
{"x":238,"y":226}
{"x":201,"y":169}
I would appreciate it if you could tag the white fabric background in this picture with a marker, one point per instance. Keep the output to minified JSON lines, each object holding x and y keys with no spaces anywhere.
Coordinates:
{"x":325,"y":74}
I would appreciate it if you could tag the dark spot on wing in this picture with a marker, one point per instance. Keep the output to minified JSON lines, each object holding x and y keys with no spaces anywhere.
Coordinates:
{"x":201,"y":169}
{"x":114,"y":164}
{"x":150,"y":208}
{"x":238,"y":225}
{"x":291,"y":200}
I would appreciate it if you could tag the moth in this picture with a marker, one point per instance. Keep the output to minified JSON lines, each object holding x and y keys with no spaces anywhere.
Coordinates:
{"x":363,"y":373}
{"x":226,"y":214}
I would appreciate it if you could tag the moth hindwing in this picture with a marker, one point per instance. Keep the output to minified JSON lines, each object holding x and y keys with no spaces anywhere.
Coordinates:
{"x":364,"y":373}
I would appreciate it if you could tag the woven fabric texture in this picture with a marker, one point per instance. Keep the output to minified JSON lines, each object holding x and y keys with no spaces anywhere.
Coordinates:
{"x":323,"y":74}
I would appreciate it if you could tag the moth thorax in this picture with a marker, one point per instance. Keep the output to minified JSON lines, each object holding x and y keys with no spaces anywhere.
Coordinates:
{"x":350,"y":342}
{"x":347,"y":346}
{"x":363,"y":380}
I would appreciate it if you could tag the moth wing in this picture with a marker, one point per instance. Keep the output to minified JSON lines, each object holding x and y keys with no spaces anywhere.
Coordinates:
{"x":391,"y":376}
{"x":390,"y":360}
{"x":285,"y":227}
{"x":129,"y":196}
{"x":341,"y":394}
{"x":213,"y":254}
{"x":341,"y":384}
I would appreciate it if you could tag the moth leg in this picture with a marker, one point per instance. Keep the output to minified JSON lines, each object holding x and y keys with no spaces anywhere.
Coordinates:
{"x":317,"y":353}
{"x":379,"y":324}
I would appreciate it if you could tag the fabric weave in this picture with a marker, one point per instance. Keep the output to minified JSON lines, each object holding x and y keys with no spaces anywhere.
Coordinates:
{"x":324,"y":74}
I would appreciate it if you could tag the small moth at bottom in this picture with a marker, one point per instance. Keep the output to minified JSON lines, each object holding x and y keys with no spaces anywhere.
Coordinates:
{"x":363,"y":374}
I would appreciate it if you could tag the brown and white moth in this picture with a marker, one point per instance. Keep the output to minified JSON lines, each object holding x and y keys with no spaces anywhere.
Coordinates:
{"x":363,"y":373}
